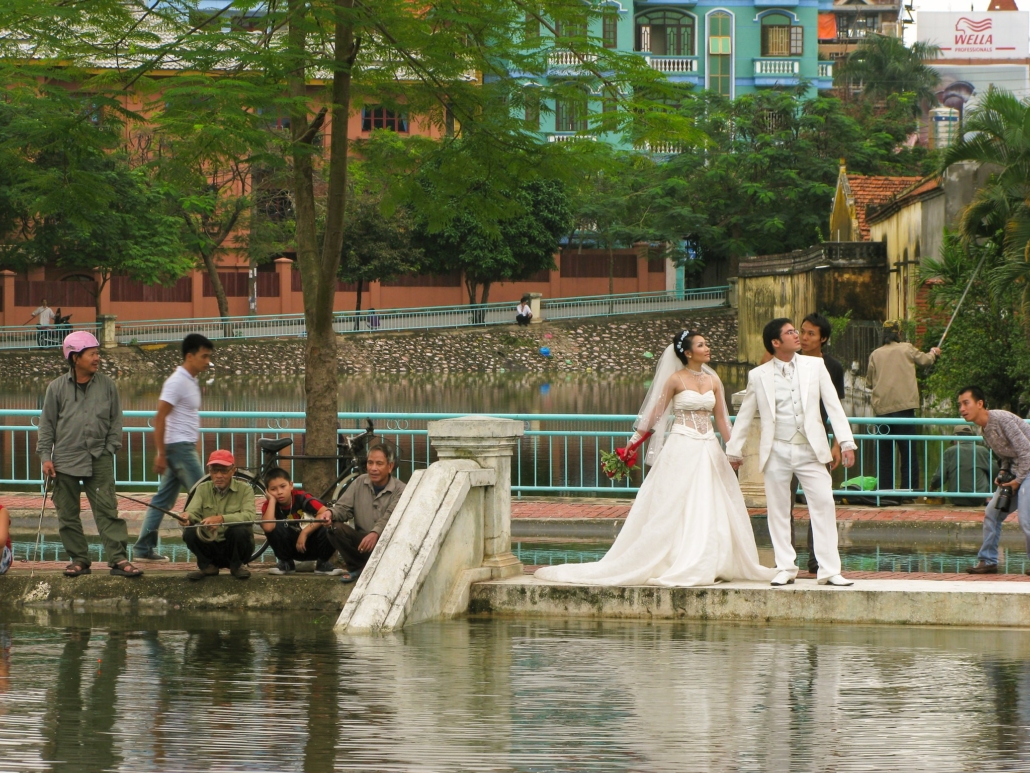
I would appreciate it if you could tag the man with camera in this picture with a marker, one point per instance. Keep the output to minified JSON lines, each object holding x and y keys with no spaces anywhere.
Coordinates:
{"x":1008,"y":436}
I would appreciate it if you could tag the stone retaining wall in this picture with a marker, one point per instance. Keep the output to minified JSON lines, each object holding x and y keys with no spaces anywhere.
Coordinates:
{"x":613,"y":345}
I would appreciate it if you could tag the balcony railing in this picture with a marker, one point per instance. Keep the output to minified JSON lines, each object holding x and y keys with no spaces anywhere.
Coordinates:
{"x":568,"y":60}
{"x":777,"y":66}
{"x":569,"y":137}
{"x":672,"y":64}
{"x":825,"y":70}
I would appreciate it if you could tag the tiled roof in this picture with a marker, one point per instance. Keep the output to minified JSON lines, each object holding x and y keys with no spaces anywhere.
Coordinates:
{"x":875,"y":211}
{"x":867,"y":191}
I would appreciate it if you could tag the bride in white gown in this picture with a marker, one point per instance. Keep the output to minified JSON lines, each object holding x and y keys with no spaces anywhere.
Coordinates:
{"x":688,"y":524}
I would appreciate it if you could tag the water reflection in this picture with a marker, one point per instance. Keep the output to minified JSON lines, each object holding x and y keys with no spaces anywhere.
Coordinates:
{"x":183,"y":694}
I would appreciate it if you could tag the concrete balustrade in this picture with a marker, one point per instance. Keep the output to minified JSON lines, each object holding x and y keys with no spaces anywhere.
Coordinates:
{"x":451,"y":528}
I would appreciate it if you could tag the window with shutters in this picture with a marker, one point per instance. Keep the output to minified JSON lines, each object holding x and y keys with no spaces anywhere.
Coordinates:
{"x":666,"y":33}
{"x":570,"y":113}
{"x":610,"y":29}
{"x":720,"y":53}
{"x":780,"y":38}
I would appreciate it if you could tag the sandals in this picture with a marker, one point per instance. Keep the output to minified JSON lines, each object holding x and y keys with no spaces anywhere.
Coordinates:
{"x":350,"y":576}
{"x":124,"y":569}
{"x":75,"y":568}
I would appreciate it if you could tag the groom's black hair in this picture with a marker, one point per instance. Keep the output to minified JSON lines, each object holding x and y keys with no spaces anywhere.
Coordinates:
{"x":772,"y":333}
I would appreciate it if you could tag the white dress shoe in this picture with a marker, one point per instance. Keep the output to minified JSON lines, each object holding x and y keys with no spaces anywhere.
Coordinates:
{"x":783,"y":578}
{"x":837,"y":581}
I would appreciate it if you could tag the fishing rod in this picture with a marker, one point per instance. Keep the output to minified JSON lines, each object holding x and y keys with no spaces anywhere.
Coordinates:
{"x":176,"y":516}
{"x":39,"y":528}
{"x":960,"y":300}
{"x":252,"y":523}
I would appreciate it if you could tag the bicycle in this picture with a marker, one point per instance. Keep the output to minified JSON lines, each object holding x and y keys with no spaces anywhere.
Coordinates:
{"x":352,"y":453}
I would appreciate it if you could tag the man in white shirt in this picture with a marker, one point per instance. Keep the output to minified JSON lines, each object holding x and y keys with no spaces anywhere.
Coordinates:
{"x":785,"y":394}
{"x":176,"y":432}
{"x":523,"y":312}
{"x":45,"y":319}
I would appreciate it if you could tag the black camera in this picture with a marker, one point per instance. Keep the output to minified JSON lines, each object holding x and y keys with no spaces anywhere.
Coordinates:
{"x":1005,"y":492}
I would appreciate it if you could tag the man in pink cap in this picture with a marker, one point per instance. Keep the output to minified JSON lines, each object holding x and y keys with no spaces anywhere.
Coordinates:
{"x":80,"y":430}
{"x":216,"y":502}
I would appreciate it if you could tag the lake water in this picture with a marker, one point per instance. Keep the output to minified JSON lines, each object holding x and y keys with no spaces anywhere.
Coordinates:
{"x":82,"y":693}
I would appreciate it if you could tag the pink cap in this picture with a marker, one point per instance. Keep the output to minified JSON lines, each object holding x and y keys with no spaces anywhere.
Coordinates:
{"x":221,"y":458}
{"x":78,"y":342}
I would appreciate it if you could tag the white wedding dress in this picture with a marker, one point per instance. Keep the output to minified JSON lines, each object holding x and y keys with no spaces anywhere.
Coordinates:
{"x":688,"y":525}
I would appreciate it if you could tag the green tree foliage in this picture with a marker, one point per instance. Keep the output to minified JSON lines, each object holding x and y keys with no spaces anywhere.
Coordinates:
{"x":377,"y":245}
{"x":997,"y":134}
{"x":510,"y":249}
{"x":985,"y":346}
{"x":762,"y":184}
{"x":883,"y":66}
{"x":69,"y":197}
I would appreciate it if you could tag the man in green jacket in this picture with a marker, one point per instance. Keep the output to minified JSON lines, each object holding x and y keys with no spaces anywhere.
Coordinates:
{"x":216,"y":502}
{"x":80,"y":429}
{"x":964,"y":467}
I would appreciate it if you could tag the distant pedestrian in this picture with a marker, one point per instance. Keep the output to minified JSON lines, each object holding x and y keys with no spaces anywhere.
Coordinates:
{"x":176,"y":432}
{"x":891,"y":376}
{"x":80,"y":430}
{"x":523,"y":312}
{"x":45,"y":316}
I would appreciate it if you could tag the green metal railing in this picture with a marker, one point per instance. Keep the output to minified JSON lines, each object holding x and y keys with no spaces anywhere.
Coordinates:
{"x":293,"y":325}
{"x":559,"y":453}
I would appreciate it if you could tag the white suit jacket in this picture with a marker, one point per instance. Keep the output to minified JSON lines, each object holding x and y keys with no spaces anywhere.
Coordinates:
{"x":760,"y":398}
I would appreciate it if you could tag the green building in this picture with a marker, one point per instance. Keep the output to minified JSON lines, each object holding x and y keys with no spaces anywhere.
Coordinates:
{"x":732,"y":47}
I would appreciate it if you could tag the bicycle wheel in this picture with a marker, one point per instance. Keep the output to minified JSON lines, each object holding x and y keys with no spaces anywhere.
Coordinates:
{"x":255,"y":483}
{"x":334,"y":493}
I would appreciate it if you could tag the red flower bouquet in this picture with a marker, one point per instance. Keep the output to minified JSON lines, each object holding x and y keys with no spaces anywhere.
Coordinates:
{"x":619,"y":463}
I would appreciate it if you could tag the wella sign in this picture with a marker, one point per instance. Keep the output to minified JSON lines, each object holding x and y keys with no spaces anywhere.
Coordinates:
{"x":997,"y":35}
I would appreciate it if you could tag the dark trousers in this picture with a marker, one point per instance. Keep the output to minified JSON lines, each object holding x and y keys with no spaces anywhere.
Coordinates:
{"x":345,"y":539}
{"x":99,"y":488}
{"x":885,"y":453}
{"x":283,"y":541}
{"x":522,"y":319}
{"x":813,"y":564}
{"x":231,"y":553}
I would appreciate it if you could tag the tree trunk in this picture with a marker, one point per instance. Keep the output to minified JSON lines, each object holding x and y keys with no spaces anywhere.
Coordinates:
{"x":100,"y":291}
{"x":216,"y":284}
{"x":486,"y":293}
{"x":318,"y":270}
{"x":471,"y":286}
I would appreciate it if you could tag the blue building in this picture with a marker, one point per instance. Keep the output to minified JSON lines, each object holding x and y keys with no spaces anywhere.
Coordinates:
{"x":732,"y":47}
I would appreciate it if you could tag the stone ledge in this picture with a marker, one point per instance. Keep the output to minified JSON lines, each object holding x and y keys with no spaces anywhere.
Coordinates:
{"x":170,"y":590}
{"x":895,"y":602}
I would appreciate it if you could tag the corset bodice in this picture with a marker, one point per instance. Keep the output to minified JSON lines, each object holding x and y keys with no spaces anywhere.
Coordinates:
{"x":693,"y":410}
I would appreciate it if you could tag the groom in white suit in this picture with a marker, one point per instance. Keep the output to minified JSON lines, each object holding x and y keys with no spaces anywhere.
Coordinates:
{"x":785,"y":393}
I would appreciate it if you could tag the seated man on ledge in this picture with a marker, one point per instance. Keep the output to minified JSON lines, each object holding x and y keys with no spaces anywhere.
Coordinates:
{"x":369,"y":502}
{"x":219,"y":501}
{"x":292,"y":542}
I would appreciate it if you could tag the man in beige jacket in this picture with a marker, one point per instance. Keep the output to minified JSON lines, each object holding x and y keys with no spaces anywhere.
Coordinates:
{"x":892,"y":377}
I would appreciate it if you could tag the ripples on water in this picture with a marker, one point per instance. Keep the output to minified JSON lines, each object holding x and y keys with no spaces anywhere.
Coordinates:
{"x":184,"y":694}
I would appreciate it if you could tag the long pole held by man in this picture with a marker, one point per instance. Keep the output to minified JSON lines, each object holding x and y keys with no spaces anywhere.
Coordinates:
{"x":785,"y":393}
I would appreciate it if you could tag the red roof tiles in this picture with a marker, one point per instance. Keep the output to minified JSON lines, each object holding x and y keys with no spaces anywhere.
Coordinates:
{"x":867,"y":191}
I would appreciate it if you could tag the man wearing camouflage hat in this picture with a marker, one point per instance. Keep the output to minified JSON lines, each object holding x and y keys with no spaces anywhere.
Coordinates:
{"x":892,"y":377}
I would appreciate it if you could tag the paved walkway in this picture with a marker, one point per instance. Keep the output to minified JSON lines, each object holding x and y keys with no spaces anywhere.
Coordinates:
{"x":582,"y":509}
{"x":608,"y":509}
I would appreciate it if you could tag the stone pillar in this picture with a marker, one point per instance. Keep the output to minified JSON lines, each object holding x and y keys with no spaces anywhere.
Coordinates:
{"x":534,"y":306}
{"x":752,"y":482}
{"x":554,"y":291}
{"x":284,"y":268}
{"x":490,"y":443}
{"x":107,"y":331}
{"x":7,"y":279}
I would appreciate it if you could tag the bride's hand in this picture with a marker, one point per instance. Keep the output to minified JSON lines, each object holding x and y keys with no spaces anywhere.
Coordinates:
{"x":736,"y":463}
